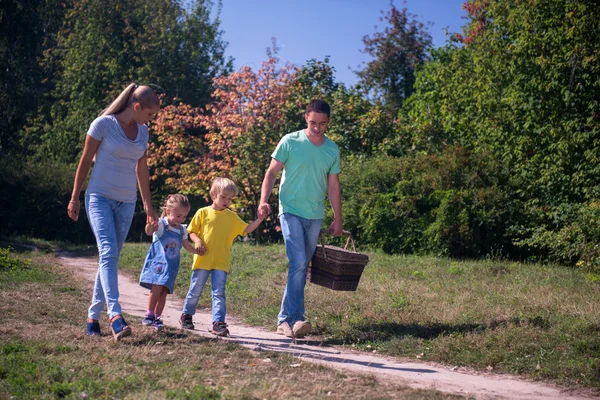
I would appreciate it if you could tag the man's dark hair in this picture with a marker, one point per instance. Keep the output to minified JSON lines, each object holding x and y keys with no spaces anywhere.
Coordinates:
{"x":318,"y":106}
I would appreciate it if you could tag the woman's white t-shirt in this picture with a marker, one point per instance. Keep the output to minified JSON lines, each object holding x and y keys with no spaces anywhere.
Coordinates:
{"x":114,"y":172}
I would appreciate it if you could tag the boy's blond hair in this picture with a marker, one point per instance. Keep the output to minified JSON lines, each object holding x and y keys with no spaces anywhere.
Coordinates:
{"x":223,"y":185}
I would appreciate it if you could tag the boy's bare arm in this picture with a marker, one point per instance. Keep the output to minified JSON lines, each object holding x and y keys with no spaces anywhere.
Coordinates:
{"x":254,"y":224}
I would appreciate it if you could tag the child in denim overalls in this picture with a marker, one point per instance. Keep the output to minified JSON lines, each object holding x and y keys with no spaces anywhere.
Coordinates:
{"x":162,"y":261}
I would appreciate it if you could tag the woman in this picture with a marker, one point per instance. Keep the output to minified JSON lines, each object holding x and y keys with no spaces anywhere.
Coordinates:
{"x":116,"y":142}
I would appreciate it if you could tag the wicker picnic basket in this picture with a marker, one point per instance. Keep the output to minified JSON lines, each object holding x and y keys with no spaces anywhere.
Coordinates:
{"x":336,"y":268}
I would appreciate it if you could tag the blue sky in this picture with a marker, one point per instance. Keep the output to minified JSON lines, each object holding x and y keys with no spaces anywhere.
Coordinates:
{"x":307,"y":29}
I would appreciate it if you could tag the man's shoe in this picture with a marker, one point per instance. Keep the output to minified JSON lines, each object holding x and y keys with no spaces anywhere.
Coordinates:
{"x":186,"y":321}
{"x":301,"y":329}
{"x":284,"y":329}
{"x":220,"y":329}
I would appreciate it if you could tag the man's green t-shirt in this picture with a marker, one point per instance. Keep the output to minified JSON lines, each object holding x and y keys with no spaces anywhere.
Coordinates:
{"x":304,"y":181}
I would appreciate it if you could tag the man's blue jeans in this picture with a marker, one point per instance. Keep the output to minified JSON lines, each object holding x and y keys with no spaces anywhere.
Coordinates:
{"x":301,"y":236}
{"x":218,"y":282}
{"x":110,"y":221}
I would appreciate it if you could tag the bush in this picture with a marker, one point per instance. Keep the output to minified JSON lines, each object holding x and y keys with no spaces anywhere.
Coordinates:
{"x":34,"y":199}
{"x":568,"y":234}
{"x":10,"y":263}
{"x":455,"y":204}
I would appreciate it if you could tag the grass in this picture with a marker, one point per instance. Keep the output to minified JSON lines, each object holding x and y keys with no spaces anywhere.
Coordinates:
{"x":538,"y":321}
{"x":44,"y":354}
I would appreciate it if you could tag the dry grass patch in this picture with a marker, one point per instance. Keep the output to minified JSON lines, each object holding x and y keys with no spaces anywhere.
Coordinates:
{"x":540,"y":321}
{"x":44,"y":354}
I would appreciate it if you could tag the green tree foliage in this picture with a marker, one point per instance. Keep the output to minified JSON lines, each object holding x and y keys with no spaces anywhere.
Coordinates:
{"x":525,"y":86}
{"x":26,"y":30}
{"x":34,"y":198}
{"x":397,"y":52}
{"x":104,"y":45}
{"x":453,"y":203}
{"x":357,"y":126}
{"x":522,"y":85}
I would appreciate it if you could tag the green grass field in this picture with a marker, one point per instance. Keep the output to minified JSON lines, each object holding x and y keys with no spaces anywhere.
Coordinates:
{"x":45,"y":355}
{"x":539,"y":321}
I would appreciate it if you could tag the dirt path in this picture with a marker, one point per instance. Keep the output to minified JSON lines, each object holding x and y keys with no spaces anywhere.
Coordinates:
{"x":133,"y":299}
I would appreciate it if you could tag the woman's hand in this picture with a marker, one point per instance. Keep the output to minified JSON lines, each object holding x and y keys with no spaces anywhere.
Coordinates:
{"x":73,"y":209}
{"x":151,"y":216}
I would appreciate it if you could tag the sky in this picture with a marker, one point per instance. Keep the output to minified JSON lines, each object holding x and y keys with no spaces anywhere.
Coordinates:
{"x":314,"y":29}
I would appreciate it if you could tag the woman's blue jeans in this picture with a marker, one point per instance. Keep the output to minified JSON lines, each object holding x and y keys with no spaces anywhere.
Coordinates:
{"x":301,"y":236}
{"x":218,"y":282}
{"x":110,"y":221}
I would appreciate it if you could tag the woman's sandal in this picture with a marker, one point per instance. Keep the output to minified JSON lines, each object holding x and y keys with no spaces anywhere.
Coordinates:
{"x":93,"y":329}
{"x":120,"y":328}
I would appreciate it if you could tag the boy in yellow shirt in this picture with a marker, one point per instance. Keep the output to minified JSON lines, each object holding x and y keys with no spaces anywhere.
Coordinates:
{"x":213,"y":230}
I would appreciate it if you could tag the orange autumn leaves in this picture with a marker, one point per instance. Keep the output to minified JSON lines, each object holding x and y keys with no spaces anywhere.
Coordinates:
{"x":234,"y":136}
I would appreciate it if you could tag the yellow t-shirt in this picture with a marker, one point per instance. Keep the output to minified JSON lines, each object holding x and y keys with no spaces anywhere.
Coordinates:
{"x":217,"y":230}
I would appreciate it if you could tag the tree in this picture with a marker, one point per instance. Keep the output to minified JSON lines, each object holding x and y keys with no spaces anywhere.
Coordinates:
{"x":176,"y":149}
{"x":357,"y":125}
{"x":397,"y":52}
{"x":233,"y":137}
{"x":244,"y":125}
{"x":521,"y":86}
{"x":26,"y":30}
{"x":104,"y":45}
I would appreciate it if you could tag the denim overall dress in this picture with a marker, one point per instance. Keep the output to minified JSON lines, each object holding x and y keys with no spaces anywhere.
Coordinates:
{"x":162,"y":261}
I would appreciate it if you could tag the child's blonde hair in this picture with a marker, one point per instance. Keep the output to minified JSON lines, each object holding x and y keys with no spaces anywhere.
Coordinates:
{"x":133,"y":93}
{"x":223,"y":185}
{"x":173,"y":201}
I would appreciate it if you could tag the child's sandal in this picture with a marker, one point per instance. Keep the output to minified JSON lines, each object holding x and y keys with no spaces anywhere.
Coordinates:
{"x":120,"y":328}
{"x":93,"y":329}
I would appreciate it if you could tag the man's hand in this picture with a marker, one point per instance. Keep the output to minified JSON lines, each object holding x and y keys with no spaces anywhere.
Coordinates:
{"x":264,"y":209}
{"x":335,"y":228}
{"x":262,"y":213}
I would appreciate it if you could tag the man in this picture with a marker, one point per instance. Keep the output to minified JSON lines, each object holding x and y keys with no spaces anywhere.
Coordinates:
{"x":311,"y":167}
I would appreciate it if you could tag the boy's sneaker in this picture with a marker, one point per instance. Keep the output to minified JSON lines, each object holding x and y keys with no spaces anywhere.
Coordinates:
{"x":220,"y":329}
{"x":186,"y":321}
{"x":158,"y":324}
{"x":148,"y":320}
{"x":301,"y":329}
{"x":284,"y":329}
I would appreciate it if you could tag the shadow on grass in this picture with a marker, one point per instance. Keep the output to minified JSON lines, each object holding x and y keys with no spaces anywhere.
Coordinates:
{"x":312,"y":352}
{"x":168,"y":336}
{"x":393,"y":330}
{"x":69,"y":249}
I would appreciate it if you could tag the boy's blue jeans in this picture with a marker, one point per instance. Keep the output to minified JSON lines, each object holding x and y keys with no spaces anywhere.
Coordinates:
{"x":301,"y":236}
{"x":110,"y":221}
{"x":218,"y":282}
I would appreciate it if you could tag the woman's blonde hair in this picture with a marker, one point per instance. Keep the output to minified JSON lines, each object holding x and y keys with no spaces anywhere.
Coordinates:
{"x":133,"y":93}
{"x":173,"y":201}
{"x":223,"y":185}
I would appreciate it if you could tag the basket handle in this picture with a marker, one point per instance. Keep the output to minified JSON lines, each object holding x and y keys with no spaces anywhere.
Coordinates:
{"x":344,"y":233}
